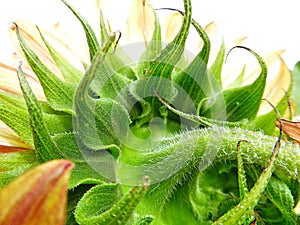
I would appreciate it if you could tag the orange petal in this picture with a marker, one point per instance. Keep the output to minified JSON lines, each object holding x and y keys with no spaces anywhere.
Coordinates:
{"x":292,"y":129}
{"x":38,"y":196}
{"x":7,"y":149}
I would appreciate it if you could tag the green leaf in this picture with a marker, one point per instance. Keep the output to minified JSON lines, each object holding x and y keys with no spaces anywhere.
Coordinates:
{"x":96,"y":201}
{"x":100,"y":76}
{"x":108,"y":83}
{"x":209,"y":192}
{"x":58,"y":93}
{"x":161,"y":67}
{"x":56,"y":124}
{"x":244,"y":102}
{"x":16,"y":159}
{"x":45,"y":146}
{"x":12,"y":99}
{"x":99,"y":128}
{"x":278,"y":208}
{"x":104,"y":204}
{"x":144,"y":89}
{"x":242,"y":181}
{"x":70,"y":73}
{"x":89,"y":33}
{"x":280,"y":195}
{"x":104,"y":31}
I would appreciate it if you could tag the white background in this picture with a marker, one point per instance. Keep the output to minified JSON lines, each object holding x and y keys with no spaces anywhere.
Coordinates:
{"x":269,"y":24}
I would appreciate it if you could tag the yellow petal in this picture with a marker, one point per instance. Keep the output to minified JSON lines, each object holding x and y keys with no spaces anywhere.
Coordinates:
{"x":272,"y":61}
{"x":37,"y":197}
{"x":9,"y":81}
{"x":276,"y":86}
{"x":291,"y":111}
{"x":172,"y":25}
{"x":140,"y":24}
{"x":278,"y":80}
{"x":74,"y":51}
{"x":32,"y":38}
{"x":216,"y":39}
{"x":297,"y":208}
{"x":10,"y":141}
{"x":61,"y":43}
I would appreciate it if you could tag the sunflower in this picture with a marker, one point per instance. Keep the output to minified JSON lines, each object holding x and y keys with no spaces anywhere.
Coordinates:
{"x":151,"y":127}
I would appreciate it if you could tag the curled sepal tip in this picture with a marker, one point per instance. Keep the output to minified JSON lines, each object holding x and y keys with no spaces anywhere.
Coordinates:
{"x":38,"y":196}
{"x":104,"y":204}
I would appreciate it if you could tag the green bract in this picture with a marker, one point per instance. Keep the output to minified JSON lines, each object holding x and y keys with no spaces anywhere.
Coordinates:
{"x":154,"y":142}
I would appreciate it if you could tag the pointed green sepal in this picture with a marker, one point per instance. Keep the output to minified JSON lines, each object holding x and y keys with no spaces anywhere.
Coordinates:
{"x":69,"y":72}
{"x":195,"y":79}
{"x":164,"y":63}
{"x":241,"y":102}
{"x":45,"y":148}
{"x":152,"y":50}
{"x":217,"y":66}
{"x":89,"y":33}
{"x":58,"y":93}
